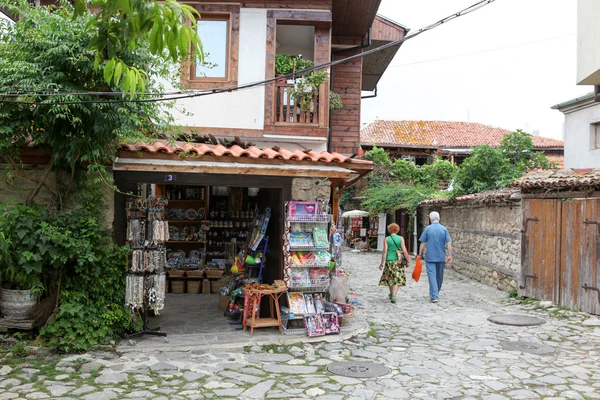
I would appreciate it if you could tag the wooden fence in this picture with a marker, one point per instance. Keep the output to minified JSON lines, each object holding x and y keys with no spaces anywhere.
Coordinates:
{"x":560,"y":252}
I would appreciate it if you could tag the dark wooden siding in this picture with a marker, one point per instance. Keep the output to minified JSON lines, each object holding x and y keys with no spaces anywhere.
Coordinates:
{"x":345,"y":123}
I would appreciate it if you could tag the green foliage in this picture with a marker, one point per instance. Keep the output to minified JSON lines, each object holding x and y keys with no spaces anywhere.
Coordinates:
{"x":286,"y":64}
{"x":91,"y":301}
{"x":486,"y":168}
{"x":335,"y":101}
{"x":119,"y":26}
{"x":306,"y":88}
{"x":404,"y":171}
{"x":489,"y":168}
{"x":52,"y":41}
{"x":392,"y":196}
{"x":378,"y":156}
{"x":519,"y":148}
{"x":347,"y":195}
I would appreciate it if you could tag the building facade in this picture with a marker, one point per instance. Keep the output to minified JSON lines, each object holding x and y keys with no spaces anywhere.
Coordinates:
{"x":581,"y":132}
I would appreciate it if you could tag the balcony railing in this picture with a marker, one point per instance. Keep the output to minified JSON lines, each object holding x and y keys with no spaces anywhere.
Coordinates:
{"x":289,"y":112}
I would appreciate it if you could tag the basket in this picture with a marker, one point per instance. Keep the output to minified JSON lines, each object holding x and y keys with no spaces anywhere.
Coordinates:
{"x":193,"y":287}
{"x":214,"y":273}
{"x":177,"y":287}
{"x":195,"y":273}
{"x":175,"y":273}
{"x":346,"y":319}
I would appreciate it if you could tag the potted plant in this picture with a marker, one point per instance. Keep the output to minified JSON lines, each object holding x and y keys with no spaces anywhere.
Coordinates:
{"x":286,"y":64}
{"x":21,"y":260}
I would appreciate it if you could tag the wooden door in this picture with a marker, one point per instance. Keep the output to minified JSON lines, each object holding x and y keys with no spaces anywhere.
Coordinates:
{"x":539,"y":266}
{"x":589,"y":273}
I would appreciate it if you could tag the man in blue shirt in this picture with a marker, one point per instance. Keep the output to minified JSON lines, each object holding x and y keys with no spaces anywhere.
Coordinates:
{"x":435,"y":236}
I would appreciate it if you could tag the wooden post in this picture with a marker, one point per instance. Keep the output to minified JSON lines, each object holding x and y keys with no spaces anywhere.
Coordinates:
{"x":335,"y":200}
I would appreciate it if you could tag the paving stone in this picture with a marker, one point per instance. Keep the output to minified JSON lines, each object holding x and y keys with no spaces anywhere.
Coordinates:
{"x":523,"y":394}
{"x":315,"y":392}
{"x":228,"y":392}
{"x":91,"y":366}
{"x":104,"y":395}
{"x":591,"y":322}
{"x":111,"y":379}
{"x":289,"y":369}
{"x":258,"y":391}
{"x":163,"y":366}
{"x":140,"y":394}
{"x":83,"y":390}
{"x":8,"y":383}
{"x":37,"y":395}
{"x":192,"y":376}
{"x":8,"y":396}
{"x":57,"y":391}
{"x":5,"y":370}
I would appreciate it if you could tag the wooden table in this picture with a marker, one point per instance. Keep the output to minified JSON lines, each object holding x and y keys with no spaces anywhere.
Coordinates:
{"x":254,"y":296}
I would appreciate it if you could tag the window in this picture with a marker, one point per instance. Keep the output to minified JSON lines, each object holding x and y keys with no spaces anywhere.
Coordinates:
{"x":219,"y":32}
{"x":595,"y":139}
{"x":214,"y":35}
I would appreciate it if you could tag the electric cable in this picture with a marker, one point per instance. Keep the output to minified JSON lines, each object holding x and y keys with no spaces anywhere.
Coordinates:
{"x":480,"y":4}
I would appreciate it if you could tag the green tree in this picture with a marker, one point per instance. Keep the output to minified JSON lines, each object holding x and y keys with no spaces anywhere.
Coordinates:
{"x":119,"y":26}
{"x":48,"y":51}
{"x":486,"y":168}
{"x":519,"y":148}
{"x":378,"y":156}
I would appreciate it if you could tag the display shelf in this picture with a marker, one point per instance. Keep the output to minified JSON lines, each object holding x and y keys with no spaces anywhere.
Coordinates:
{"x":186,"y":241}
{"x":315,"y":219}
{"x":307,"y":287}
{"x":308,"y":248}
{"x":310,"y":266}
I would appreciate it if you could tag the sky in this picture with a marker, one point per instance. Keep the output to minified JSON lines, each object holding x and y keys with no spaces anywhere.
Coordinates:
{"x":511,"y":88}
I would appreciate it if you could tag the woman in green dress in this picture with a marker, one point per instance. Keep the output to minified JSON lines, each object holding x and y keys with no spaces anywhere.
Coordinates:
{"x":394,"y":274}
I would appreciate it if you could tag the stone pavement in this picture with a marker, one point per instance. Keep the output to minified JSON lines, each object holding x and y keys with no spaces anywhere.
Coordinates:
{"x":435,"y":351}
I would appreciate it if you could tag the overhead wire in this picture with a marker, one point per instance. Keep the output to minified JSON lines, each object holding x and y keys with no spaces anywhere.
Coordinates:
{"x":480,"y":4}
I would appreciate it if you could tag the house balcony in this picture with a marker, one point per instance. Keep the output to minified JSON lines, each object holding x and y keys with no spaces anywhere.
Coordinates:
{"x":295,"y":112}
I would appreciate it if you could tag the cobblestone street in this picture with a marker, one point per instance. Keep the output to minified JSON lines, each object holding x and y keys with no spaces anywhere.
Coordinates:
{"x":446,"y":350}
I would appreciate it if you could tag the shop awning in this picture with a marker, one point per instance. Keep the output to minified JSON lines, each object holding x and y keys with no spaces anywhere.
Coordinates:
{"x":182,"y":157}
{"x":230,"y":168}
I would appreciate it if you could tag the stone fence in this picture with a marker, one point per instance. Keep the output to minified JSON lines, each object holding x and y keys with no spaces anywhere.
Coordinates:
{"x":486,"y":235}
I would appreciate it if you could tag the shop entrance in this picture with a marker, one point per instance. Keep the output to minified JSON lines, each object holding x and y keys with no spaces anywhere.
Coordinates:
{"x":209,"y":218}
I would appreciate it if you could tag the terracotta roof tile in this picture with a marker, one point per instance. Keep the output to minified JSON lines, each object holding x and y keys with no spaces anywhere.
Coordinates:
{"x":163,"y":146}
{"x":440,"y":134}
{"x":487,"y":197}
{"x":560,"y":179}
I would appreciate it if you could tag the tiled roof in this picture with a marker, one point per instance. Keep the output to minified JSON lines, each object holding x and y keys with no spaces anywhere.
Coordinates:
{"x":488,"y":197}
{"x":165,"y":147}
{"x":443,"y":134}
{"x":560,"y":179}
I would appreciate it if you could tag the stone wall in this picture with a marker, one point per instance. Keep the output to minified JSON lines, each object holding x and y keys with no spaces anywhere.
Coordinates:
{"x":309,"y":189}
{"x":15,"y":188}
{"x":486,"y":241}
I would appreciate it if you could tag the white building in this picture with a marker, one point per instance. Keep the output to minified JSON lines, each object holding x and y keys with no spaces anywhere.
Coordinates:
{"x":581,"y":132}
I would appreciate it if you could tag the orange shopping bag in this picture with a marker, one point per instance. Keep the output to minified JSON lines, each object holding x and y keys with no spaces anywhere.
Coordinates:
{"x":417,"y":271}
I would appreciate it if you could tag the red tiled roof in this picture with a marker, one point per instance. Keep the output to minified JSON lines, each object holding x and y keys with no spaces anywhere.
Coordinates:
{"x":560,"y":179}
{"x":440,"y":134}
{"x":165,"y":147}
{"x":487,"y":197}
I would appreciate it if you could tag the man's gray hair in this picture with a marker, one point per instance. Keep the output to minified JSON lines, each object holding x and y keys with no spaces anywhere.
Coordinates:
{"x":434,"y":216}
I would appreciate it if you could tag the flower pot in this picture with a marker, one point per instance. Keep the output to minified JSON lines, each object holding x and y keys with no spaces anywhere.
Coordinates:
{"x":16,"y":305}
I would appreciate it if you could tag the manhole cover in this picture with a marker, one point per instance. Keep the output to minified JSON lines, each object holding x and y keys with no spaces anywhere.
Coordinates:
{"x":358,"y":369}
{"x":528,"y":347}
{"x":516,"y":320}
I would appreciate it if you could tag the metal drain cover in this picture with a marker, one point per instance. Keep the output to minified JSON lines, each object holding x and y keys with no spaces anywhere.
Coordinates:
{"x":358,"y":369}
{"x":516,"y":320}
{"x":528,"y":347}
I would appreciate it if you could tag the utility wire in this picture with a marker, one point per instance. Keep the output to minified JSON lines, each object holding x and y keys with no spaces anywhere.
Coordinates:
{"x":482,"y":51}
{"x":463,"y":12}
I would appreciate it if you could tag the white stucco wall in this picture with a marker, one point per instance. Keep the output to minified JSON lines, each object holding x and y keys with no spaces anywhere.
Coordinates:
{"x":243,"y":109}
{"x":578,"y":136}
{"x":588,"y":37}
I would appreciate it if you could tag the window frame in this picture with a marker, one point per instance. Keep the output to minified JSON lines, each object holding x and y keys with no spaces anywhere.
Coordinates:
{"x":595,"y":139}
{"x":216,"y":12}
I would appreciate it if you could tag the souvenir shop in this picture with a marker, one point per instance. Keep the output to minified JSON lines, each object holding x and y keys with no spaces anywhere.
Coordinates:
{"x":224,"y":253}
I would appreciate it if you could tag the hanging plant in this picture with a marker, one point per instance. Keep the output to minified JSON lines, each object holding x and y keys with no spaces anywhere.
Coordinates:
{"x":306,"y":88}
{"x":335,"y":101}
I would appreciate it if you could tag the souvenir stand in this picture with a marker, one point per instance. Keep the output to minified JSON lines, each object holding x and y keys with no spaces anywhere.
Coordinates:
{"x":147,"y":232}
{"x":307,"y":265}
